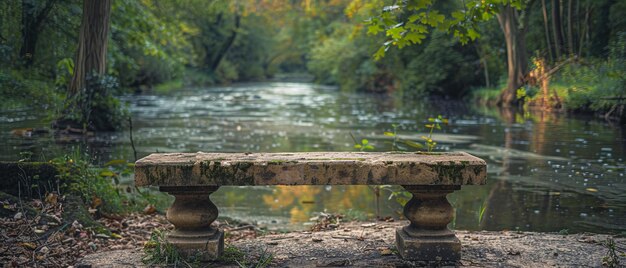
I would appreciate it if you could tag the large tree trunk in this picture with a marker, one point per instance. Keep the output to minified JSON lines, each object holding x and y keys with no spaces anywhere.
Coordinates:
{"x":556,"y":28}
{"x":92,"y":43}
{"x":516,"y":55}
{"x":32,"y":21}
{"x":86,"y":94}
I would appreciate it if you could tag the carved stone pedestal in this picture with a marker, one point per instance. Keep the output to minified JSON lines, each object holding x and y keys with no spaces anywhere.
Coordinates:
{"x":192,"y":214}
{"x":427,"y":237}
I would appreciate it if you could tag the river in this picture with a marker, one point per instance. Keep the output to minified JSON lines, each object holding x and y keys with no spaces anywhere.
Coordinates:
{"x":546,"y":172}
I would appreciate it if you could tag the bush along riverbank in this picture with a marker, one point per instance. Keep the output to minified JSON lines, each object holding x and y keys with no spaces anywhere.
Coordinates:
{"x":575,"y":85}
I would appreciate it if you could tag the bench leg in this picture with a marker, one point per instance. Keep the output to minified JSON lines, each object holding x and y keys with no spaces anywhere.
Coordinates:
{"x":427,"y":237}
{"x":192,"y":214}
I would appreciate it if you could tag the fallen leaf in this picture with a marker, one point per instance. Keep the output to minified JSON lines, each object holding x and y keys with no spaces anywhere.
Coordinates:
{"x":52,"y":198}
{"x":116,"y":236}
{"x":386,"y":251}
{"x":149,"y":209}
{"x":29,"y":245}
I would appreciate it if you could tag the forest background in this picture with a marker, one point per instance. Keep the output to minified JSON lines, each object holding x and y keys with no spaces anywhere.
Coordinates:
{"x":570,"y":54}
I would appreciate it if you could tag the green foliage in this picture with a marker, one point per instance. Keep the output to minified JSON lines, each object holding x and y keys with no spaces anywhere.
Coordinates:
{"x":439,"y":66}
{"x":408,"y":22}
{"x":400,"y":195}
{"x":363,"y":145}
{"x":27,"y":89}
{"x":160,"y":252}
{"x":434,"y":123}
{"x":612,"y":258}
{"x":82,"y":179}
{"x":148,"y":47}
{"x":395,"y":146}
{"x":94,"y":107}
{"x":591,"y":83}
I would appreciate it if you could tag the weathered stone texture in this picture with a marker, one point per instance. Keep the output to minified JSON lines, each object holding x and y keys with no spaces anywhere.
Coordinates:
{"x":319,"y":168}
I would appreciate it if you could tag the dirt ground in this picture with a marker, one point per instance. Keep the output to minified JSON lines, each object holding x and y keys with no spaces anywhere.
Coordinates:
{"x":371,"y":244}
{"x":39,"y":234}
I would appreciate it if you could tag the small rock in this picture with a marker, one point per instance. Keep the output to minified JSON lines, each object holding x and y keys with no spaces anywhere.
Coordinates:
{"x":44,"y":250}
{"x":77,"y":225}
{"x":368,"y":225}
{"x":93,"y":246}
{"x":18,"y":216}
{"x":317,"y":239}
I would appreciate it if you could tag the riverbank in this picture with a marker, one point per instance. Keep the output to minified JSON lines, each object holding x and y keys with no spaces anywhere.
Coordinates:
{"x":564,"y":98}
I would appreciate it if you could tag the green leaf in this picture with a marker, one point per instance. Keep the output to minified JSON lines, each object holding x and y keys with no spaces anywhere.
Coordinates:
{"x":473,"y":34}
{"x":414,"y":37}
{"x":374,"y":29}
{"x":369,"y":147}
{"x":364,"y":141}
{"x":107,"y":173}
{"x":414,"y":144}
{"x":439,"y":18}
{"x":358,"y":146}
{"x":458,"y":15}
{"x":380,"y":53}
{"x":115,"y":162}
{"x":396,"y":32}
{"x":390,"y":134}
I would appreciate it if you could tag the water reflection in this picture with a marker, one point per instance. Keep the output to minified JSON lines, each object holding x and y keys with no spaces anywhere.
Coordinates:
{"x":546,"y":172}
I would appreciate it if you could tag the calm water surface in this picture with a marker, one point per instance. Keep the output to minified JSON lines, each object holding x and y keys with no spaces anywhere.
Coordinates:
{"x":545,"y":172}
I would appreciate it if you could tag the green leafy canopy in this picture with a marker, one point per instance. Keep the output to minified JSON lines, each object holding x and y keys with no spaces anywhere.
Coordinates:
{"x":408,"y":22}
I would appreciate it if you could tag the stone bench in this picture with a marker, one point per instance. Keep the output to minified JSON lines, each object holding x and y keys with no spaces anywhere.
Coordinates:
{"x":192,"y":177}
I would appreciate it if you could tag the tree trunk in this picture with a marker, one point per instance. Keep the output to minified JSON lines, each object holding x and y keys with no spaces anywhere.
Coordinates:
{"x":32,"y":20}
{"x":570,"y":29}
{"x":86,"y":96}
{"x":556,"y":28}
{"x":227,"y":44}
{"x":546,"y":29}
{"x":92,"y":43}
{"x":516,"y":55}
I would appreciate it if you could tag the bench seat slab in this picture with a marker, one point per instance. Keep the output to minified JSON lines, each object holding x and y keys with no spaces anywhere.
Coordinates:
{"x":319,"y":168}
